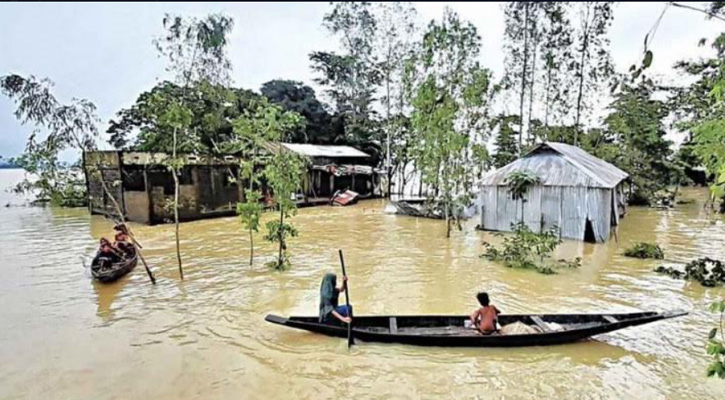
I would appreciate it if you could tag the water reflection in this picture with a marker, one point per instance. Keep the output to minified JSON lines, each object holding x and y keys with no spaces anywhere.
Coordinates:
{"x":107,"y":294}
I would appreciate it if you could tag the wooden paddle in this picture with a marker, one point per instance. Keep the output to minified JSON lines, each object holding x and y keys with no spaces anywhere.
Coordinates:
{"x":350,"y":339}
{"x":138,"y":248}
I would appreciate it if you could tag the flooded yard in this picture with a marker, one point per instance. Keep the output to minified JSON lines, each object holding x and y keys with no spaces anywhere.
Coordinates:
{"x":65,"y":336}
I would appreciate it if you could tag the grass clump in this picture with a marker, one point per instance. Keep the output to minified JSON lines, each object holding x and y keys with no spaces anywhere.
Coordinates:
{"x":645,"y":250}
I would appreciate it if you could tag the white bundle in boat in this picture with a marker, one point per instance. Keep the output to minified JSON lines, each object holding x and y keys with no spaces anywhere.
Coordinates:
{"x":518,"y":328}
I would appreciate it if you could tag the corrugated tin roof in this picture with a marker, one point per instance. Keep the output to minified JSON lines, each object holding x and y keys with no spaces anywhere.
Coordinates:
{"x":315,"y":150}
{"x":560,"y":164}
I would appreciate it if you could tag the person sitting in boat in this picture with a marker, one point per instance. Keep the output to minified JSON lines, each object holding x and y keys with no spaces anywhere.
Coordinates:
{"x":106,"y":254}
{"x":329,"y":299}
{"x":486,"y":317}
{"x":122,"y":240}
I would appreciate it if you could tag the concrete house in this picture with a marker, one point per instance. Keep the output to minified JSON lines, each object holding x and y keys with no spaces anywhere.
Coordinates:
{"x":581,"y":194}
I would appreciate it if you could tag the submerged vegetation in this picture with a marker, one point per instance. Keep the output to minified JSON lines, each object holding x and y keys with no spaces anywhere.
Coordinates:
{"x":526,"y":249}
{"x":420,"y":95}
{"x":716,"y":343}
{"x":645,"y":250}
{"x":709,"y":272}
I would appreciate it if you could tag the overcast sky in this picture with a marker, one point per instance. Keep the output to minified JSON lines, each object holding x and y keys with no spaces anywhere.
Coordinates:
{"x":103,"y":52}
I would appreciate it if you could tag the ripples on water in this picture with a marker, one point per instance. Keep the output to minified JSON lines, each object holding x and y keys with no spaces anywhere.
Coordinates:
{"x":64,"y":336}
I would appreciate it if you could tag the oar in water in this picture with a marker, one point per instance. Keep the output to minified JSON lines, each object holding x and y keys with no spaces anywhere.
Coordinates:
{"x":350,"y":339}
{"x":138,"y":248}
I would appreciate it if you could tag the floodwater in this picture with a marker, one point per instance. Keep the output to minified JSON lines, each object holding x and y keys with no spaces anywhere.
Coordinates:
{"x":66,"y":337}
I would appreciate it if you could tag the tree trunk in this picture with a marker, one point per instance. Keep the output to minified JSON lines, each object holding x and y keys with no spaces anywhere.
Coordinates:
{"x":582,"y":69}
{"x":531,"y":87}
{"x":175,"y":173}
{"x":251,"y":231}
{"x":176,"y":223}
{"x":387,"y":106}
{"x":281,"y":238}
{"x":448,"y":221}
{"x":523,"y":76}
{"x":547,"y":100}
{"x":251,"y":247}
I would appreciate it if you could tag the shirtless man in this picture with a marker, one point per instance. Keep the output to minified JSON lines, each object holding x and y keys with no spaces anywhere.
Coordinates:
{"x":485,"y":318}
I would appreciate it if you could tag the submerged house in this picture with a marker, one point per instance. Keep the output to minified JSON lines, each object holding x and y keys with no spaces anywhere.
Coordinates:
{"x":142,"y":186}
{"x":337,"y":168}
{"x":580,"y":194}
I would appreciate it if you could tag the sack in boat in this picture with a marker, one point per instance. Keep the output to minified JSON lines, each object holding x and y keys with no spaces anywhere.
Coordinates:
{"x":518,"y":328}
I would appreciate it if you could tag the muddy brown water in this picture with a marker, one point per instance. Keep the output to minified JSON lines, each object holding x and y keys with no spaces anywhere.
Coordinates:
{"x":63,"y":336}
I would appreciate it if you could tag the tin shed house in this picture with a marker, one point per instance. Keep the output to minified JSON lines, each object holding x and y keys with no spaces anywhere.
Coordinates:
{"x":580,"y":194}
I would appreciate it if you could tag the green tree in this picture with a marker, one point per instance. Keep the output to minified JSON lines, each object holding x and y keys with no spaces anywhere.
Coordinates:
{"x":284,"y":175}
{"x":212,"y":108}
{"x":196,"y":52}
{"x":450,"y":105}
{"x":556,"y":56}
{"x":297,"y":97}
{"x":262,"y":127}
{"x":519,"y":18}
{"x":507,"y":149}
{"x":700,"y":109}
{"x":636,"y":123}
{"x":592,"y":64}
{"x":351,"y":78}
{"x":71,"y":126}
{"x":395,"y":39}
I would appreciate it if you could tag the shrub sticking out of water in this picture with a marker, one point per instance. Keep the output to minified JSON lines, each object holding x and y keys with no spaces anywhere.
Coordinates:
{"x":529,"y":250}
{"x":709,"y":272}
{"x":645,"y":250}
{"x":716,"y":343}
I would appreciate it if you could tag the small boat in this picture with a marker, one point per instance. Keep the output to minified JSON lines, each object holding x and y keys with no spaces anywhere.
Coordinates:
{"x":414,"y":209}
{"x":116,"y":270}
{"x":421,"y":209}
{"x":345,"y":198}
{"x":452,"y":330}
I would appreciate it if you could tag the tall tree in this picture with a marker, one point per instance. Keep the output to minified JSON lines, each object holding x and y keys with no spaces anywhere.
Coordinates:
{"x":506,"y":147}
{"x":396,"y":29}
{"x":523,"y":34}
{"x":294,"y":96}
{"x":450,"y":104}
{"x":263,"y":127}
{"x":351,"y":78}
{"x":701,"y":110}
{"x":592,"y":64}
{"x":556,"y":57}
{"x":283,"y":172}
{"x":212,"y":107}
{"x":196,"y":52}
{"x":71,"y":126}
{"x":636,"y":122}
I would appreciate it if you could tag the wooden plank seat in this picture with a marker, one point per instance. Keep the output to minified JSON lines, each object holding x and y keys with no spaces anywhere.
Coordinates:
{"x":541,"y":324}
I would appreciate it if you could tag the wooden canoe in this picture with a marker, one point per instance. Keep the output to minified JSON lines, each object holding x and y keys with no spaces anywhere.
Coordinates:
{"x":115,"y":271}
{"x":450,"y":331}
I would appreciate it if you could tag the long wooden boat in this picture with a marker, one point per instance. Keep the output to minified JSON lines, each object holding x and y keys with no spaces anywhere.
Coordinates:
{"x":115,"y":271}
{"x":450,"y":331}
